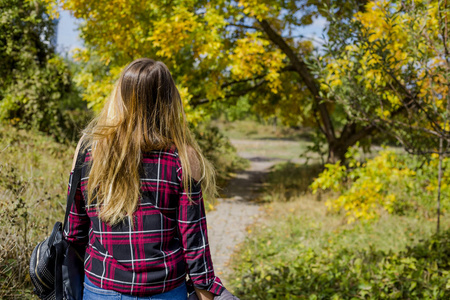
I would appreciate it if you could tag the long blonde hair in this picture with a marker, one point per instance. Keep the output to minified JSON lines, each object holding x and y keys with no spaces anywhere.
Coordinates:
{"x":144,"y":113}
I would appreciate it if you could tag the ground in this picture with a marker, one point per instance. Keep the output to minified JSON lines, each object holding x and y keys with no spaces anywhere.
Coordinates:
{"x":238,"y":208}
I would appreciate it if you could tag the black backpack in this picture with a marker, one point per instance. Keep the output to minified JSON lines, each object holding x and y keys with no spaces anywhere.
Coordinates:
{"x":56,"y":266}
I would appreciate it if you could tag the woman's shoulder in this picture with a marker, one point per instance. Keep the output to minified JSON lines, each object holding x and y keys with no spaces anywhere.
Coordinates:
{"x":80,"y":150}
{"x":191,"y":153}
{"x":193,"y":161}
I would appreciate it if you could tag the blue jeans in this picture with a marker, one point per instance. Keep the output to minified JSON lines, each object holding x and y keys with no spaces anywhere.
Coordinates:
{"x":92,"y":292}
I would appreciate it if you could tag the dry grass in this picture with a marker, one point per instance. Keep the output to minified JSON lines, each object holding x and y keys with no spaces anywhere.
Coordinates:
{"x":288,"y":181}
{"x":34,"y":173}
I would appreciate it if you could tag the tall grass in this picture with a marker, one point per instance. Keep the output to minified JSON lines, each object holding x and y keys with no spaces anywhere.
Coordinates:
{"x":34,"y":172}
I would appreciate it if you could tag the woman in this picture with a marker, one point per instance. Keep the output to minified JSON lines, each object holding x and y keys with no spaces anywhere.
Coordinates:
{"x":139,"y":207}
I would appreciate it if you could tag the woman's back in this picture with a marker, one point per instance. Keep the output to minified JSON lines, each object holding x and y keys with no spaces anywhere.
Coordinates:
{"x":167,"y":238}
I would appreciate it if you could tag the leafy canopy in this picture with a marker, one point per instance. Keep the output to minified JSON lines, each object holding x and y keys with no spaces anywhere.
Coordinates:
{"x":216,"y":51}
{"x":392,"y":70}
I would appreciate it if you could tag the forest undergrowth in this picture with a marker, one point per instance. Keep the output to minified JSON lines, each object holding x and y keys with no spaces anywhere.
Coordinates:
{"x":302,"y":250}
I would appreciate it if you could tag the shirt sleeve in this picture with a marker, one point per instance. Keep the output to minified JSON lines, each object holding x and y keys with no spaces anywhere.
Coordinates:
{"x":77,"y":228}
{"x":192,"y":227}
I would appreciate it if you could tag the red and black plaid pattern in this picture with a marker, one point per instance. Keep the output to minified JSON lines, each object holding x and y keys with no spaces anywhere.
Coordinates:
{"x":168,"y":240}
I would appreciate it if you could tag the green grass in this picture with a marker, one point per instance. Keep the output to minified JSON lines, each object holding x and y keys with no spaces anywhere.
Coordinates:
{"x":306,"y":221}
{"x":298,"y":234}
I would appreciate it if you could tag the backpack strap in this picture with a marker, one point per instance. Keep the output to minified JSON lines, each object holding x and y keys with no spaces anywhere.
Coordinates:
{"x":76,"y":178}
{"x":59,"y":259}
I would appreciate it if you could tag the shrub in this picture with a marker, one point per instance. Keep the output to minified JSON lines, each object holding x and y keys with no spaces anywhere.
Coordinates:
{"x":392,"y":182}
{"x":420,"y":272}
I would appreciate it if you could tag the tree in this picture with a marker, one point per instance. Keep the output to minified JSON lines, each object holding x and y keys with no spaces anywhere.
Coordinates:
{"x":35,"y":83}
{"x":392,"y":71}
{"x":217,"y":52}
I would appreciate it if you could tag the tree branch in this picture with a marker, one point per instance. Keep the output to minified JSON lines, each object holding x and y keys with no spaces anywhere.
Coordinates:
{"x":198,"y":100}
{"x":302,"y":69}
{"x":230,"y":95}
{"x":289,"y":68}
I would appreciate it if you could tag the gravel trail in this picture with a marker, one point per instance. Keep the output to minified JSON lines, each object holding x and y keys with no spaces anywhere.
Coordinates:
{"x":227,"y":224}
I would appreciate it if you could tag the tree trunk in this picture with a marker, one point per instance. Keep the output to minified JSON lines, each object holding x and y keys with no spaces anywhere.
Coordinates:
{"x":336,"y":152}
{"x":350,"y":133}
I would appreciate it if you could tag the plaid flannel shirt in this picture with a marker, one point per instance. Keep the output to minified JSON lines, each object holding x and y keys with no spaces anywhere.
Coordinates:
{"x":168,"y":241}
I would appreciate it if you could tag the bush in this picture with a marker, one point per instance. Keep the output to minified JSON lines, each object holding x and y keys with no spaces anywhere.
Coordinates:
{"x":390,"y":182}
{"x":420,"y":272}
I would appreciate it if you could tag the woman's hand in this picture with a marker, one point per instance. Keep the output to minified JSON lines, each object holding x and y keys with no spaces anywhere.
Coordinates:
{"x":204,"y":295}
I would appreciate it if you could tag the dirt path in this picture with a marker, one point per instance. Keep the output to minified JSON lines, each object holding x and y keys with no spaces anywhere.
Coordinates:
{"x":227,"y":224}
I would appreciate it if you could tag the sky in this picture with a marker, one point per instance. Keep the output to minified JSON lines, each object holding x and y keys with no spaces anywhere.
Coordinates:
{"x":67,"y":37}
